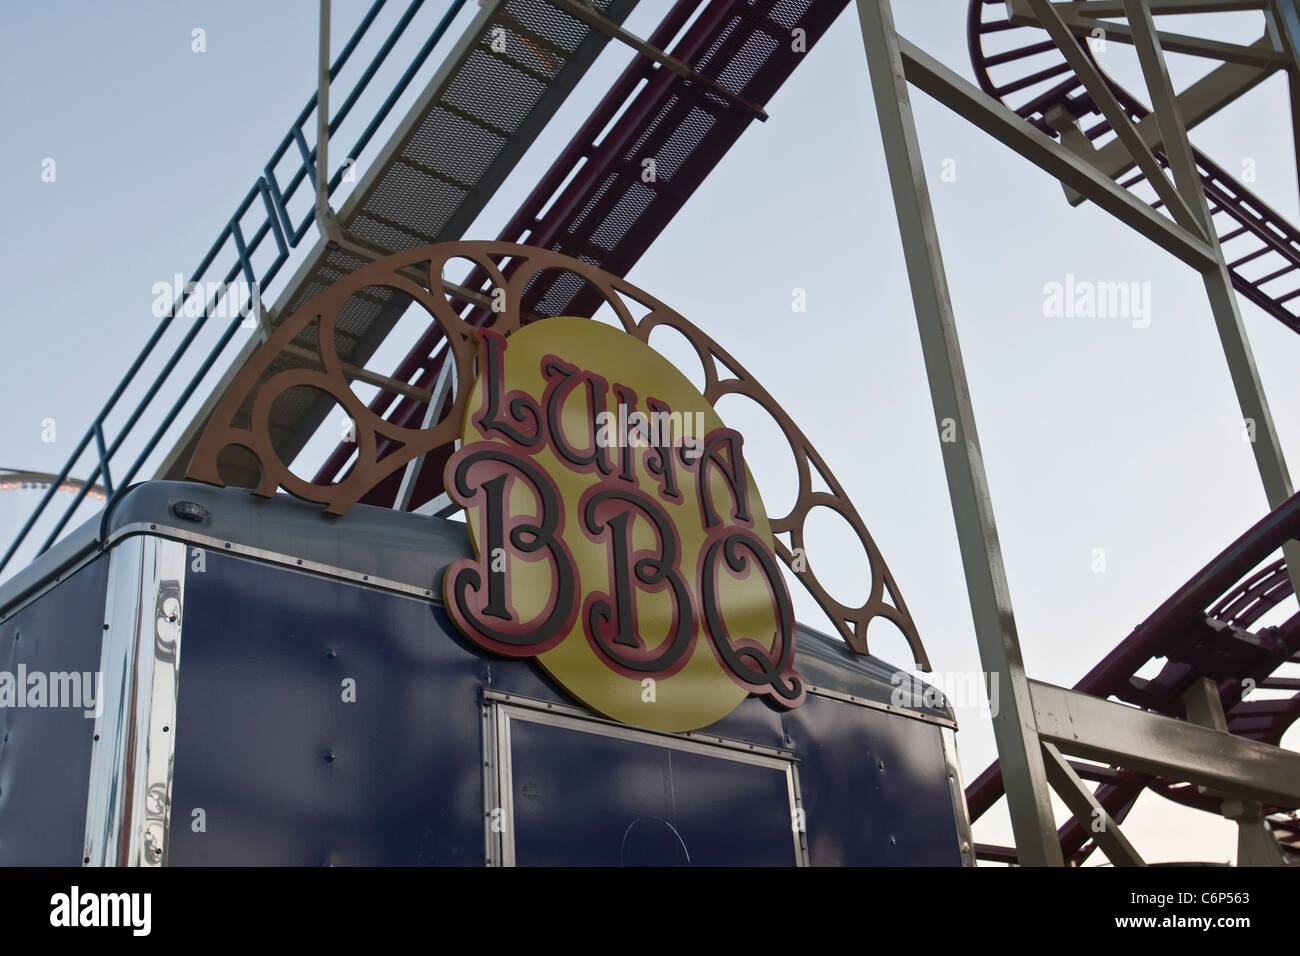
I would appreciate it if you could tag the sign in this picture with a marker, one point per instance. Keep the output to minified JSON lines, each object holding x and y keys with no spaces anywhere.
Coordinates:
{"x":618,"y":535}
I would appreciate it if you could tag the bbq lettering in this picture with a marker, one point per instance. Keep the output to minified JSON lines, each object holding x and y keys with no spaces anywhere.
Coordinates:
{"x":618,"y":533}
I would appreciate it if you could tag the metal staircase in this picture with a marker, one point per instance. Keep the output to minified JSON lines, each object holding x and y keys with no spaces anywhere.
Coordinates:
{"x":494,"y":89}
{"x":595,"y":202}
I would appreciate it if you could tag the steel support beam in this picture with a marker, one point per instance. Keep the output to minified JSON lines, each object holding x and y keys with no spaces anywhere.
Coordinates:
{"x":1256,"y":845}
{"x":1115,"y":8}
{"x":1259,"y":55}
{"x":1204,"y":706}
{"x":357,"y":374}
{"x":1244,"y":68}
{"x":1286,"y":21}
{"x":1017,"y":737}
{"x":1084,"y":16}
{"x":445,"y":385}
{"x":580,"y":11}
{"x":1265,"y":442}
{"x":1085,"y":726}
{"x":1092,"y":816}
{"x":1196,"y":103}
{"x":973,"y":104}
{"x":1102,"y":95}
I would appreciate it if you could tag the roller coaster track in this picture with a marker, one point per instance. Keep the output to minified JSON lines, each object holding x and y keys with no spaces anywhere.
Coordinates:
{"x":496,"y":87}
{"x":1205,"y":629}
{"x":1015,"y":62}
{"x":481,"y":110}
{"x":476,"y":109}
{"x":608,"y":216}
{"x":595,"y":203}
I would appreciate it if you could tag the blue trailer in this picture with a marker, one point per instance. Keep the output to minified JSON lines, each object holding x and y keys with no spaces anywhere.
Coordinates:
{"x":329,"y":713}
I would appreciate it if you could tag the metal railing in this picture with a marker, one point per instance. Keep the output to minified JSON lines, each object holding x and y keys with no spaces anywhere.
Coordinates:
{"x":267,"y":200}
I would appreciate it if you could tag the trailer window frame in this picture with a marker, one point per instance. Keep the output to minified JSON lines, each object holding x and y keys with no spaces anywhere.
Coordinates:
{"x":500,"y":710}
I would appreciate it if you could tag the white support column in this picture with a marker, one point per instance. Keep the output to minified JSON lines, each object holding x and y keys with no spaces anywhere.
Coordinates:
{"x":1266,"y":444}
{"x":1023,"y":772}
{"x":1092,"y":816}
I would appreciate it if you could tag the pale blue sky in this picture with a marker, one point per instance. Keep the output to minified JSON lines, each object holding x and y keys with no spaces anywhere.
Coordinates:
{"x":1095,"y":434}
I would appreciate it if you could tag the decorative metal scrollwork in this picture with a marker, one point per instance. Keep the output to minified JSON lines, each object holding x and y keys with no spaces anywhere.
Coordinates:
{"x":252,"y":385}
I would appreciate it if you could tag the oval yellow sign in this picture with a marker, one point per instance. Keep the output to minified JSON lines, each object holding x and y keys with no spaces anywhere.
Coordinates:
{"x":618,"y":535}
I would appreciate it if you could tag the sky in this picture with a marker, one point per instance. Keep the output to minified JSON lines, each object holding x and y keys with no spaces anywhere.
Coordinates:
{"x":1113,"y":446}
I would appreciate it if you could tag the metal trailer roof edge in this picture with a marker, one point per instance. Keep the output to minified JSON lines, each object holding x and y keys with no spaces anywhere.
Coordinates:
{"x":389,"y":550}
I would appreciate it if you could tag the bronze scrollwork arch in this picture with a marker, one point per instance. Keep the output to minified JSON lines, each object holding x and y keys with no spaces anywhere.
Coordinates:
{"x":883,"y":599}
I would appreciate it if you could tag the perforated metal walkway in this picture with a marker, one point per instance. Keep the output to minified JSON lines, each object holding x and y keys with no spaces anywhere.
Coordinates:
{"x":493,"y":94}
{"x":608,"y":214}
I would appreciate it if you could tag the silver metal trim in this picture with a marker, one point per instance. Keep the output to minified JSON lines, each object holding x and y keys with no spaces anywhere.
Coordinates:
{"x":505,"y":783}
{"x":491,"y":798}
{"x":578,"y":713}
{"x":222,"y":546}
{"x":798,"y":818}
{"x":509,"y":707}
{"x":965,"y":842}
{"x":122,"y":609}
{"x":128,"y":805}
{"x":877,"y":705}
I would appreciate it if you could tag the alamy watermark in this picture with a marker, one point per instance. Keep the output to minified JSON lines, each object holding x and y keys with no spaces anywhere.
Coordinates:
{"x":659,"y":429}
{"x":1085,"y":299}
{"x":212,"y":300}
{"x":961,"y":690}
{"x":78,"y":690}
{"x":75,"y":908}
